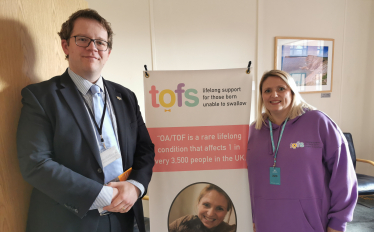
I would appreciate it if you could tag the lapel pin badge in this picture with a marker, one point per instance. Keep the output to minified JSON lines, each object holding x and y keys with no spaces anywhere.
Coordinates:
{"x":119,"y":98}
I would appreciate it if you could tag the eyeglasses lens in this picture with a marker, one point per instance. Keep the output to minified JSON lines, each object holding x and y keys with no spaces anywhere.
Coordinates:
{"x":82,"y":41}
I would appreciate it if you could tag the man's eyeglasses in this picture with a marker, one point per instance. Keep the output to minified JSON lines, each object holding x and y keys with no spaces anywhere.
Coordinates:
{"x":84,"y":42}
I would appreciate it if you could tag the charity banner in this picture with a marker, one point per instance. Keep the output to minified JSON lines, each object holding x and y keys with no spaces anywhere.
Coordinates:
{"x":198,"y":122}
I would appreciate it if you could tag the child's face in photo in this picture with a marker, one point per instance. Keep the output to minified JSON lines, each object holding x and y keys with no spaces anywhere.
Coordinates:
{"x":212,"y":209}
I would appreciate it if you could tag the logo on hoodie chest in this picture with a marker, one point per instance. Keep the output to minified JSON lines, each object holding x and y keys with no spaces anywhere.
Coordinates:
{"x":298,"y":144}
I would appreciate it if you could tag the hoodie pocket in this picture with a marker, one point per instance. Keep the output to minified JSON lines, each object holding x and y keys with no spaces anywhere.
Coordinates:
{"x":280,"y":215}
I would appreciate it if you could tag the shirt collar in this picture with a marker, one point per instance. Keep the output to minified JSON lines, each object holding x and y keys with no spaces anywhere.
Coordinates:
{"x":84,"y":85}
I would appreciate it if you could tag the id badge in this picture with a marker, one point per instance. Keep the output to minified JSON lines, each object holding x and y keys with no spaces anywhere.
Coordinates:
{"x":275,"y":177}
{"x":109,"y":155}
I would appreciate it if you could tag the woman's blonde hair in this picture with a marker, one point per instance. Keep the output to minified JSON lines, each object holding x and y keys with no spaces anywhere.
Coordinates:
{"x":298,"y":105}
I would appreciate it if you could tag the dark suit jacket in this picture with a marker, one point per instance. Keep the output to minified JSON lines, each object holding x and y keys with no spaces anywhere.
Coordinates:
{"x":58,"y":154}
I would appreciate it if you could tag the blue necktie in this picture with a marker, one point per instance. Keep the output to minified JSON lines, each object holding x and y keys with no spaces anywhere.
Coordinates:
{"x":115,"y":168}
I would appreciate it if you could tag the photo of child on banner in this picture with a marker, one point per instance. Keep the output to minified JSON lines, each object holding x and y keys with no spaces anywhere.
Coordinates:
{"x":212,"y":210}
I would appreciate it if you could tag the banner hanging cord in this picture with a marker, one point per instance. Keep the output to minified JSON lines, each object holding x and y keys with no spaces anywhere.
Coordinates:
{"x":248,"y":70}
{"x":249,"y":67}
{"x":146,"y":71}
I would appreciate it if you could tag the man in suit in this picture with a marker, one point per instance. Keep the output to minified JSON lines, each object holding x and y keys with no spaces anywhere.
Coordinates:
{"x":77,"y":132}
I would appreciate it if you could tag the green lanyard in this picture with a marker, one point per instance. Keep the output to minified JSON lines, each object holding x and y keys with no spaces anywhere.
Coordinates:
{"x":272,"y":140}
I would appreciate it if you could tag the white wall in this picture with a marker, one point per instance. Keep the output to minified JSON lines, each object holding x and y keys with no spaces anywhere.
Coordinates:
{"x":218,"y":34}
{"x":206,"y":34}
{"x":357,"y":105}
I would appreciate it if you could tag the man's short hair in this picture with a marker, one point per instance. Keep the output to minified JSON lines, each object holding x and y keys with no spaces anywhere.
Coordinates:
{"x":68,"y":26}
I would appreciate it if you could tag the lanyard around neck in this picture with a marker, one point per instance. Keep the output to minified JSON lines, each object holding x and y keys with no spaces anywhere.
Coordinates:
{"x":100,"y":129}
{"x":272,"y":140}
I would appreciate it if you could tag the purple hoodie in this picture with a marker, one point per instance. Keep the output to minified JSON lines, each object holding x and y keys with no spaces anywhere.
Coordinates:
{"x":318,"y":182}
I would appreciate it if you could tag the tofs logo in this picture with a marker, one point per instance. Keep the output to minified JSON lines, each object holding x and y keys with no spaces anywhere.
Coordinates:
{"x":296,"y":145}
{"x":177,"y":95}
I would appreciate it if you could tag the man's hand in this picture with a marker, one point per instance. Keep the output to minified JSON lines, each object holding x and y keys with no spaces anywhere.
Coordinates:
{"x":254,"y":227}
{"x":122,"y":201}
{"x":332,"y":230}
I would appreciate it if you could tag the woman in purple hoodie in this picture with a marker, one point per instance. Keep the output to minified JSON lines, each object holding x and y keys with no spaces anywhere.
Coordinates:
{"x":300,"y":171}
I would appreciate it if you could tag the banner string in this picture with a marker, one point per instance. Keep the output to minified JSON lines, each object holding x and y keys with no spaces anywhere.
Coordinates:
{"x":249,"y":67}
{"x":146,"y":71}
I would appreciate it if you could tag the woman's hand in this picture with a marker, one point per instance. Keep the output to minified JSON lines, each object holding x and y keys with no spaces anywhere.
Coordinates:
{"x":254,"y":228}
{"x":330,"y":230}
